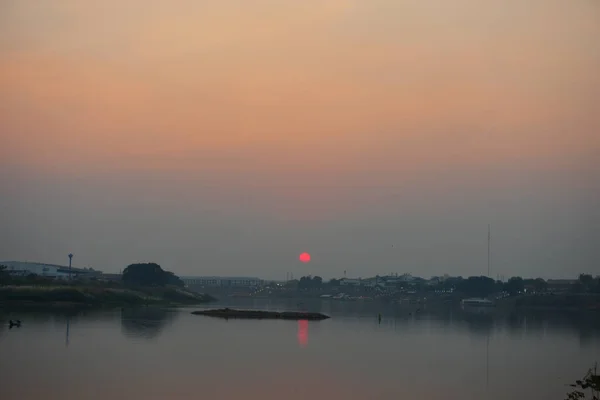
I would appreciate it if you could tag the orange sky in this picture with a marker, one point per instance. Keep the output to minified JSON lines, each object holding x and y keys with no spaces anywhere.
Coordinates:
{"x":293,"y":94}
{"x":283,"y":81}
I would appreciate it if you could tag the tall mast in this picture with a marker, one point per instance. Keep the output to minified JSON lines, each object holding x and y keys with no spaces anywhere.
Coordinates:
{"x":489,"y":239}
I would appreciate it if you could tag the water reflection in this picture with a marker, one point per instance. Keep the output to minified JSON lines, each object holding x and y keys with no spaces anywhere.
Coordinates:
{"x":487,"y":363}
{"x":67,"y":333}
{"x":145,"y":322}
{"x":479,"y":321}
{"x":492,"y":356}
{"x":303,"y":332}
{"x":478,"y":324}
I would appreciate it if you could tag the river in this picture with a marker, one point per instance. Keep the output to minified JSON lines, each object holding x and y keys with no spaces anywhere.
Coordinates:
{"x":153,"y":353}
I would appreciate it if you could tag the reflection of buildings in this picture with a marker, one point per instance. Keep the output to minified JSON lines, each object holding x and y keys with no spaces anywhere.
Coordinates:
{"x":303,"y":332}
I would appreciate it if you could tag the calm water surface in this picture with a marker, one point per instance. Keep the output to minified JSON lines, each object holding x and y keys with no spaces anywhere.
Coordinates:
{"x":171,"y":354}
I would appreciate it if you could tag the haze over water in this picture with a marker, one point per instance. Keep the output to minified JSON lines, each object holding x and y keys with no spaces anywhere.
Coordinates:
{"x":158,"y":354}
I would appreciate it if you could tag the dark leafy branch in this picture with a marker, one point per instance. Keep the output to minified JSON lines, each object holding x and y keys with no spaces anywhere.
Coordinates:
{"x":590,"y":384}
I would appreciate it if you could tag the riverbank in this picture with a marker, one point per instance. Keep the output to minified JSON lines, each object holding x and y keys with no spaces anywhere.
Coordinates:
{"x":61,"y":296}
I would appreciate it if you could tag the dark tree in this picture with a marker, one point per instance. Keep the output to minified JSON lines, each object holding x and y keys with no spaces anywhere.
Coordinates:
{"x":452,"y":283}
{"x":479,"y":286}
{"x":305,"y":282}
{"x":596,"y":285}
{"x":308,"y":282}
{"x":499,"y":286}
{"x":587,"y":282}
{"x":4,"y":275}
{"x":586,"y":279}
{"x":539,"y":285}
{"x":514,"y":285}
{"x":174,"y":280}
{"x":334,"y":282}
{"x":149,"y":274}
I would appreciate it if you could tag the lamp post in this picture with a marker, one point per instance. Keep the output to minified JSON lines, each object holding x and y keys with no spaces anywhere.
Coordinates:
{"x":70,"y":258}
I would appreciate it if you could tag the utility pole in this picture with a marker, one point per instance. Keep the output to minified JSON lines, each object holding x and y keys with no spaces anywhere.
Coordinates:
{"x":70,"y":258}
{"x":489,"y":240}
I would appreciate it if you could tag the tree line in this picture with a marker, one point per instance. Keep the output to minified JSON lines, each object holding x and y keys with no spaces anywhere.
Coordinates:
{"x":475,"y":286}
{"x":149,"y":274}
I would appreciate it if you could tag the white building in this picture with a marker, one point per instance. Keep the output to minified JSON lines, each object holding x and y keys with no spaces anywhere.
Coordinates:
{"x":25,"y":268}
{"x":221,"y":281}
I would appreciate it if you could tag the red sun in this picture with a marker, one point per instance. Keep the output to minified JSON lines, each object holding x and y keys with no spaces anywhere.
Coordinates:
{"x":304,"y":257}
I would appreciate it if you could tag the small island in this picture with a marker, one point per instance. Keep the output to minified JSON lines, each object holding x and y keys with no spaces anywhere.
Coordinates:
{"x":257,"y":314}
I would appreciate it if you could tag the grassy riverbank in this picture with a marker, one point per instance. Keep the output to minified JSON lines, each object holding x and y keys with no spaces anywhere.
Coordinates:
{"x":93,"y":296}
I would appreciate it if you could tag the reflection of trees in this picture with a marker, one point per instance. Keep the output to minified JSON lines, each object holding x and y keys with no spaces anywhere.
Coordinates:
{"x":479,"y":324}
{"x":586,"y":324}
{"x":515,"y":323}
{"x":481,"y":321}
{"x":58,"y":317}
{"x":145,"y":322}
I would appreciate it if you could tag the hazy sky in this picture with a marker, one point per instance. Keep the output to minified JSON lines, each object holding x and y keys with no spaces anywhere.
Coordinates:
{"x":226,"y":137}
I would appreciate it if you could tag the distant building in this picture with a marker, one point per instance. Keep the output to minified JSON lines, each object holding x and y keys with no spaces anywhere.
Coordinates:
{"x":350,"y":282}
{"x":406,"y":278}
{"x":221,"y":281}
{"x":392,"y":282}
{"x":25,"y":268}
{"x":371,"y":282}
{"x":389,"y":281}
{"x":560,"y":285}
{"x":436,"y":280}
